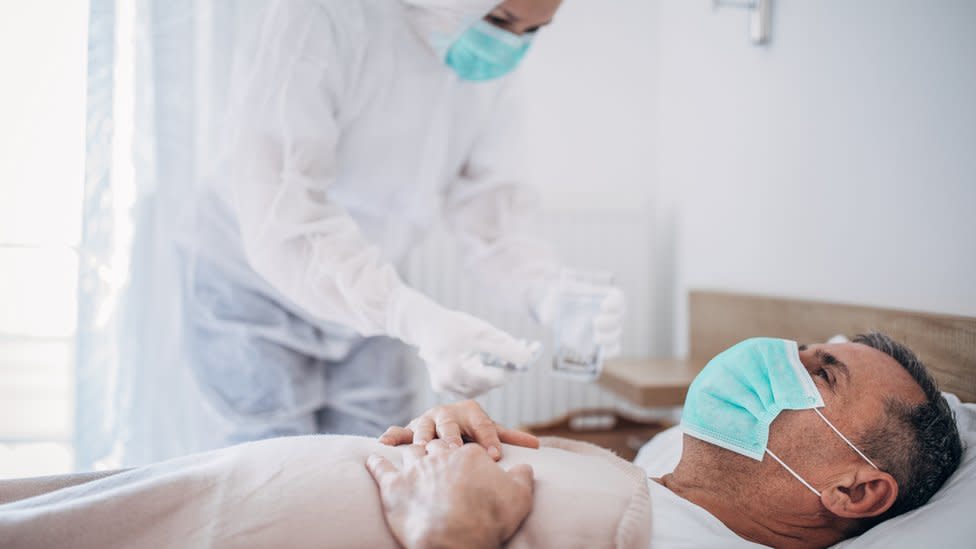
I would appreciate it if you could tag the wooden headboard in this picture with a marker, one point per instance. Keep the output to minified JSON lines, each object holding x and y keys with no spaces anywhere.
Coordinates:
{"x":946,"y":344}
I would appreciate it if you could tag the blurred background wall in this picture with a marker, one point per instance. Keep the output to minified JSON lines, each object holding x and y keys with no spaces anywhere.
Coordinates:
{"x":838,"y":162}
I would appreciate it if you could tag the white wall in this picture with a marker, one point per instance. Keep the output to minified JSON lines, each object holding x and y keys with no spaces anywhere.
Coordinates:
{"x":591,"y":83}
{"x":836,"y":163}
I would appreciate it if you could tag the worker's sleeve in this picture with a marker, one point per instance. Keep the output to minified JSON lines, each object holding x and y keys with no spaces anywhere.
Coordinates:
{"x":283,"y":138}
{"x":496,"y":216}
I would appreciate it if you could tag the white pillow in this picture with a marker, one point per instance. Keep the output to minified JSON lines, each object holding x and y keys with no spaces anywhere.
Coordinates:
{"x":947,"y":520}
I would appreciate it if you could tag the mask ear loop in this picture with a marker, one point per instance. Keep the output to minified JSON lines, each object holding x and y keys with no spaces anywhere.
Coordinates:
{"x":849,"y":443}
{"x":794,"y":473}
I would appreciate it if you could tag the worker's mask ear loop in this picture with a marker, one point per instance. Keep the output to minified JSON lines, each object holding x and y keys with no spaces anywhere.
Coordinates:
{"x":841,"y":435}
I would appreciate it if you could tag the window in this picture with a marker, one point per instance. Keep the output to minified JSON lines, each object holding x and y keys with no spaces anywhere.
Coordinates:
{"x":42,"y":162}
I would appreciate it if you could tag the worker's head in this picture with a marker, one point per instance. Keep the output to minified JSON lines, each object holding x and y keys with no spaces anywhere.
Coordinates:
{"x":523,"y":16}
{"x":481,"y":40}
{"x":882,"y":443}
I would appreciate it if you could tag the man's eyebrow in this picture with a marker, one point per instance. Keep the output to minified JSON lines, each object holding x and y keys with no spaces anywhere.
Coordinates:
{"x":828,"y":359}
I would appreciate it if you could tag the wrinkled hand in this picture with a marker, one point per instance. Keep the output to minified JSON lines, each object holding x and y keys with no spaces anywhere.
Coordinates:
{"x":456,"y":423}
{"x":451,"y":497}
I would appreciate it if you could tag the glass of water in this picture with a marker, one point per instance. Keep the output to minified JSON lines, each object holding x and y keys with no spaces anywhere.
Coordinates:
{"x":576,"y":354}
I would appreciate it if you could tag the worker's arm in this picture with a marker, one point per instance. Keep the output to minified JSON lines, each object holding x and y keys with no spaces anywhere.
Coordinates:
{"x":495,"y":214}
{"x":283,"y":151}
{"x":282,"y":141}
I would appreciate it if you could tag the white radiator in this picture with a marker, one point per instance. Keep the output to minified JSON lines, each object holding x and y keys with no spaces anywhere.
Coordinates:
{"x":618,"y":241}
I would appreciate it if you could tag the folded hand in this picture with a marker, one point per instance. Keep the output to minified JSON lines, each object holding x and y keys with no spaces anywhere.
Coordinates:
{"x":451,"y":497}
{"x":456,"y":423}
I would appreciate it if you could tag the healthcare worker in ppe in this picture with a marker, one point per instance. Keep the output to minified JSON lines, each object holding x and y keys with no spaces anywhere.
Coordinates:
{"x":353,"y":129}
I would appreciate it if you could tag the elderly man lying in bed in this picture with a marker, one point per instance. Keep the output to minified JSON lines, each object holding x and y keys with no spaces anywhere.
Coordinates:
{"x":865,"y":435}
{"x":784,"y":446}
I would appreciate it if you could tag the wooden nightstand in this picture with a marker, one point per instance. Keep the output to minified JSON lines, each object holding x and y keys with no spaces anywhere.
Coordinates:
{"x":651,"y":382}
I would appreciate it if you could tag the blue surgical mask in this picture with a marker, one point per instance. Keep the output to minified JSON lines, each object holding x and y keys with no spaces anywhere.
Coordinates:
{"x":486,"y":52}
{"x":739,"y":393}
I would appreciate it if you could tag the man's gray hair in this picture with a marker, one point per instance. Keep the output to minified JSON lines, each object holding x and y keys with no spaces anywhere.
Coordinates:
{"x":917,"y":444}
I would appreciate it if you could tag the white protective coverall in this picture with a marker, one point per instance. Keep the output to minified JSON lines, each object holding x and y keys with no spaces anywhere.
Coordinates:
{"x":348,"y":137}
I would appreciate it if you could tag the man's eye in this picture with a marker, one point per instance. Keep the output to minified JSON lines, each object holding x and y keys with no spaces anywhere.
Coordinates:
{"x":495,"y":20}
{"x":822,"y":372}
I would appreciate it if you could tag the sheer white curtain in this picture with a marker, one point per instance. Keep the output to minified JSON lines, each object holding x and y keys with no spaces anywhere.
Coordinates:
{"x":157,"y":75}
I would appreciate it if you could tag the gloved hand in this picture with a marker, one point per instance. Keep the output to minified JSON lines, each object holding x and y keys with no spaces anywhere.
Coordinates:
{"x":452,"y":343}
{"x":607,"y":321}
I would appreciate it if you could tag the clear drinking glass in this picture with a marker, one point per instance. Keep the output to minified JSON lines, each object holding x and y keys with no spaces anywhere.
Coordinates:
{"x":576,"y":354}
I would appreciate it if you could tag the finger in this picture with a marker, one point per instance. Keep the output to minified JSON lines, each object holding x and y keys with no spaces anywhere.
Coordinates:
{"x":437,"y":447}
{"x":521,"y":501}
{"x":412,"y":454}
{"x":380,"y":469}
{"x":522,"y":474}
{"x":423,"y":430}
{"x":395,"y":436}
{"x":447,"y":429}
{"x":485,"y":432}
{"x":517,"y":438}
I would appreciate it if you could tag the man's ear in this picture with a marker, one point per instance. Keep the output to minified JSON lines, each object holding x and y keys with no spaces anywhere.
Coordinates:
{"x":867,"y":493}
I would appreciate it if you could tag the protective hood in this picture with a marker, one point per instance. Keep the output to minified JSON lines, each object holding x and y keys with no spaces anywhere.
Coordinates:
{"x":441,"y":22}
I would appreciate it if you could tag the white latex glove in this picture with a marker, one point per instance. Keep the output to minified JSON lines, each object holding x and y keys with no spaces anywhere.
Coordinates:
{"x":607,"y":322}
{"x":452,"y":343}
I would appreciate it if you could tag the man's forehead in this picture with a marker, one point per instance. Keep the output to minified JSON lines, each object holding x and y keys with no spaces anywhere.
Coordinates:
{"x":874,"y":371}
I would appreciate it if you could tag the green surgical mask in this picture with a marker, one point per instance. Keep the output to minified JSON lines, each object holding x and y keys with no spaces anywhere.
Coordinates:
{"x":486,"y":52}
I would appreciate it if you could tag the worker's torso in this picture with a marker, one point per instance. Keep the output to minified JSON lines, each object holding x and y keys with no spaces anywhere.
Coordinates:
{"x":407,"y":126}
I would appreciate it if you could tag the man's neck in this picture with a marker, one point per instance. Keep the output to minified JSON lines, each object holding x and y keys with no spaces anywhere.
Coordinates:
{"x":750,"y":518}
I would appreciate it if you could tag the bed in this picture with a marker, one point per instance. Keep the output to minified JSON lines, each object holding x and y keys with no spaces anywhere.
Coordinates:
{"x":232,"y":498}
